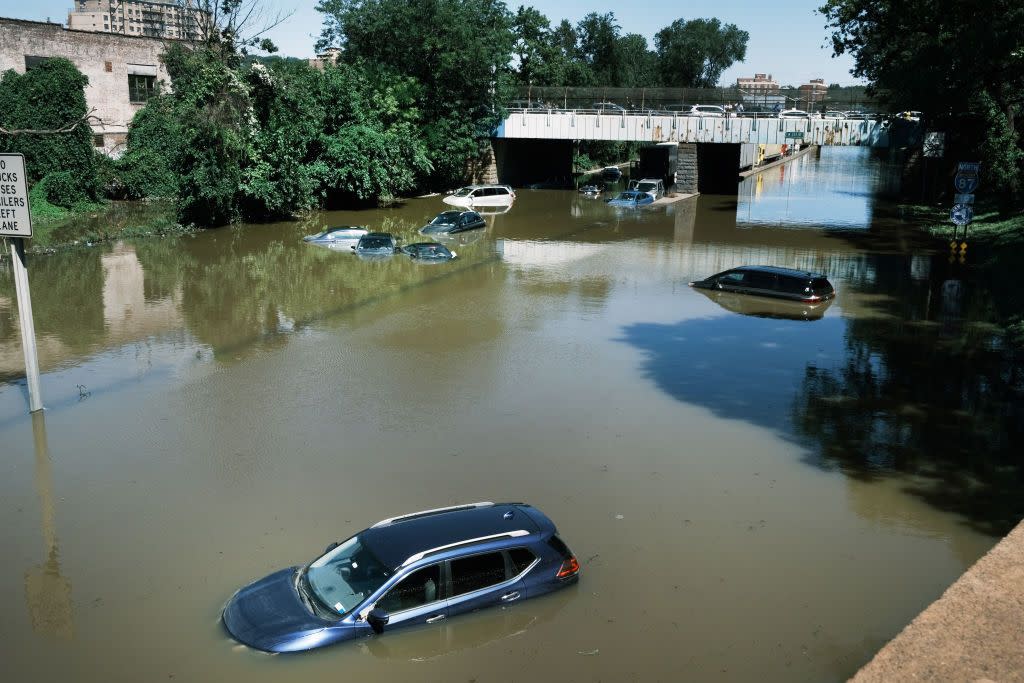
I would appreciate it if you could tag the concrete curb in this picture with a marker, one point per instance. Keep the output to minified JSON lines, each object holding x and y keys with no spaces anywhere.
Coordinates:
{"x":974,"y":632}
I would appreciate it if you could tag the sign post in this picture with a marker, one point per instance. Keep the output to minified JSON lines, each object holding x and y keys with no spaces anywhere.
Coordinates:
{"x":965,"y":183}
{"x":16,"y":225}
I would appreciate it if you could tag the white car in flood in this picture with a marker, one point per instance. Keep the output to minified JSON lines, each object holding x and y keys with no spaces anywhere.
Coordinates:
{"x":482,"y":195}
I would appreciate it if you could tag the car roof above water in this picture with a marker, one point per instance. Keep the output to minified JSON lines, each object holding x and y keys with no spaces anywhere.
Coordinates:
{"x":396,"y":540}
{"x":778,"y":270}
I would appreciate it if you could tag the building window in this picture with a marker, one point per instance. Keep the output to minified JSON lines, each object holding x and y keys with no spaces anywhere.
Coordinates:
{"x":108,"y":67}
{"x":31,"y":61}
{"x":97,"y":140}
{"x":141,"y":88}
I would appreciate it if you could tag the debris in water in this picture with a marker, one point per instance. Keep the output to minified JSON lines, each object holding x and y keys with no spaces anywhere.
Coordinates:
{"x":619,"y":517}
{"x":587,"y":653}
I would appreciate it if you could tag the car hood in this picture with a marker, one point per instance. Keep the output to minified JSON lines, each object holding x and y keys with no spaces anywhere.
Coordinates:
{"x":268,"y":614}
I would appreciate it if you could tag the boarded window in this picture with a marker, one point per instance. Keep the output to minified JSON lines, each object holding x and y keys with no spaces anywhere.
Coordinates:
{"x":97,"y":140}
{"x":108,"y":66}
{"x":32,"y":61}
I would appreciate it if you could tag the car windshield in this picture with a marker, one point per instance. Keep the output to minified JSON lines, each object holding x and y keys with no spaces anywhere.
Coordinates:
{"x":646,"y":187}
{"x":463,"y":192}
{"x":374,"y":243}
{"x":446,"y":218}
{"x":346,"y":576}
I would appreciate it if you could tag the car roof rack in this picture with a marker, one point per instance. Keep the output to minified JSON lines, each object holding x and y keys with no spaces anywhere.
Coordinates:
{"x":427,"y":513}
{"x":469,"y":541}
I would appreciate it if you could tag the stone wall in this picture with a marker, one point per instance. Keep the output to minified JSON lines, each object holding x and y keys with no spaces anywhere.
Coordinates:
{"x":686,"y":169}
{"x":105,"y":58}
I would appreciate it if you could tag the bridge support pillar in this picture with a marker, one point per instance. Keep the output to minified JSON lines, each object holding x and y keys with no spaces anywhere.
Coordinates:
{"x":687,"y":175}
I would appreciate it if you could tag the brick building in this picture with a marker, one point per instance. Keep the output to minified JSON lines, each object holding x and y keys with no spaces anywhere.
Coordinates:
{"x":123,"y":70}
{"x":760,"y":84}
{"x":812,"y":92}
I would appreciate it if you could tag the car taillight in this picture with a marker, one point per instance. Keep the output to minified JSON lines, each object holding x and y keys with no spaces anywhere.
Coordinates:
{"x":568,"y":568}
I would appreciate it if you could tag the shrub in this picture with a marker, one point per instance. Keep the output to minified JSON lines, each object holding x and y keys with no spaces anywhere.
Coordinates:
{"x":62,"y":189}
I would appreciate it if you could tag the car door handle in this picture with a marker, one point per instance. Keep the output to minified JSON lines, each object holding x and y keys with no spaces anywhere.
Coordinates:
{"x":436,"y":617}
{"x":509,"y":597}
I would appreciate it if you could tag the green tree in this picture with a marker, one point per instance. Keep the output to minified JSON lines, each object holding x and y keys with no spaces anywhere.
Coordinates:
{"x":147,"y":168}
{"x":598,"y":36}
{"x":693,"y":54}
{"x":50,"y":97}
{"x":458,"y":51}
{"x":637,"y":65}
{"x":961,"y":63}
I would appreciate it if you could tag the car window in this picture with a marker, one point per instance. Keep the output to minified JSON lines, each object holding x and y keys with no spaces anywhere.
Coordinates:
{"x":422,"y":587}
{"x":500,"y":191}
{"x":521,"y":559}
{"x":479,"y":571}
{"x":820,"y":286}
{"x":792,"y":285}
{"x":732,"y":278}
{"x":761,"y":280}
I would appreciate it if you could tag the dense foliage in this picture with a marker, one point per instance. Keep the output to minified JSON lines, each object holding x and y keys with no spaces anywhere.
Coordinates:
{"x":961,"y":63}
{"x":50,"y":97}
{"x":594,"y":52}
{"x":249,"y":141}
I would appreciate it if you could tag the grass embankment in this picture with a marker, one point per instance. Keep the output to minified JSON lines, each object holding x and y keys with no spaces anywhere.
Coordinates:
{"x":88,"y":223}
{"x":990,"y":226}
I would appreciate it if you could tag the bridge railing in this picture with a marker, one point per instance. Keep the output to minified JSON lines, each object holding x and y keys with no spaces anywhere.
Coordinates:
{"x":682,"y":114}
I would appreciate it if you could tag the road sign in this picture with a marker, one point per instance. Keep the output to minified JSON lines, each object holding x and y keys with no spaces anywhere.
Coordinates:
{"x":963,"y":198}
{"x":961,"y":214}
{"x":794,"y":134}
{"x":15,"y":219}
{"x":934,"y":144}
{"x":965,"y":183}
{"x":969,"y":167}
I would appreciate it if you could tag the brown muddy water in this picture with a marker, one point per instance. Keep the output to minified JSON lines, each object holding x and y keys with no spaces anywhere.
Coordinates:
{"x":752,"y":497}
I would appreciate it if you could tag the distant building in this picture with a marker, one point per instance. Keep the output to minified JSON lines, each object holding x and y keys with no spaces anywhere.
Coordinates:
{"x":176,"y":19}
{"x":123,"y":70}
{"x":329,"y":56}
{"x":812,"y":92}
{"x":760,"y":84}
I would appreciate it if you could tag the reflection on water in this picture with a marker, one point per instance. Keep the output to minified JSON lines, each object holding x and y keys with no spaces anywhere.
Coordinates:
{"x":47,"y":591}
{"x":805,"y":483}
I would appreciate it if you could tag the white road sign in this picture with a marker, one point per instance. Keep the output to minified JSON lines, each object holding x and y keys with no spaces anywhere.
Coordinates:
{"x":15,"y":220}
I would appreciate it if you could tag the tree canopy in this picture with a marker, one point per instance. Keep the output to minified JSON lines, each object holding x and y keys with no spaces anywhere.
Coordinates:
{"x":961,"y":63}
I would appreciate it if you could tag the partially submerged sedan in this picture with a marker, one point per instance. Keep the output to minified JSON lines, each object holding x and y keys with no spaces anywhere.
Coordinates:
{"x":338,"y":237}
{"x":771,"y":281}
{"x":428,"y":251}
{"x":451,"y":222}
{"x":631,"y":198}
{"x":418,"y":568}
{"x":375,"y":245}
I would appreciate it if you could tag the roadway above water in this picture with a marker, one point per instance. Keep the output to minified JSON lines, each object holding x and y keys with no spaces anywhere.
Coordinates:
{"x":752,"y":493}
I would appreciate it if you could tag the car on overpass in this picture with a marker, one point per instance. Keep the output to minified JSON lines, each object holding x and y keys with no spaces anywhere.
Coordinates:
{"x":794,"y":114}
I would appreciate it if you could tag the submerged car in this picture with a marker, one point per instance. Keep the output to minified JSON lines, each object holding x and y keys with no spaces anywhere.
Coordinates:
{"x":418,"y":568}
{"x":591,"y":190}
{"x":611,"y":172}
{"x":375,"y":244}
{"x":428,"y":251}
{"x":631,"y":198}
{"x":451,"y":222}
{"x":340,"y":237}
{"x":771,"y":281}
{"x":652,"y":186}
{"x":481,"y":195}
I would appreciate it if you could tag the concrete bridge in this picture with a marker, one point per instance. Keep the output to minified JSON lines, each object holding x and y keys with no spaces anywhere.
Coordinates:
{"x":666,"y":127}
{"x":535,"y":145}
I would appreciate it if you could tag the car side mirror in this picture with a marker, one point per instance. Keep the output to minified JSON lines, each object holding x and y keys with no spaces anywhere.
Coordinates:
{"x":378,"y":619}
{"x":331,"y":547}
{"x":353,"y":247}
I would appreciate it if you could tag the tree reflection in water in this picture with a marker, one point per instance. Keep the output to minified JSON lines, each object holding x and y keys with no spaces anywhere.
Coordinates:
{"x":920,"y":384}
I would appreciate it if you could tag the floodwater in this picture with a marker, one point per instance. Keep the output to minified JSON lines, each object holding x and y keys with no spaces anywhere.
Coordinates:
{"x":754,"y":493}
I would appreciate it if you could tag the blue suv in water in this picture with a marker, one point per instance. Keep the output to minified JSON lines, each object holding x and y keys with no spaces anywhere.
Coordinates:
{"x":418,"y":568}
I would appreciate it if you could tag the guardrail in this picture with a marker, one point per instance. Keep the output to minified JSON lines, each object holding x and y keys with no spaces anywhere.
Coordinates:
{"x":680,"y":114}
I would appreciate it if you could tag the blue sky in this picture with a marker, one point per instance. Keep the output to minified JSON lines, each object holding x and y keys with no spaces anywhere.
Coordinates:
{"x":786,"y":36}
